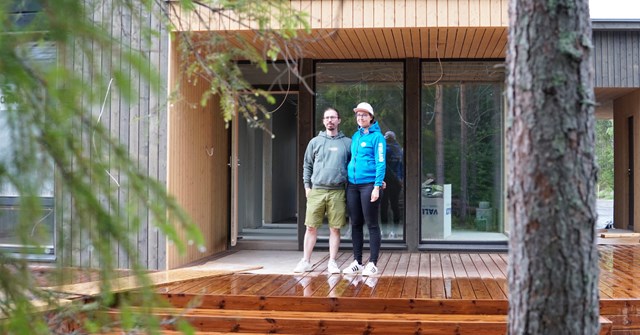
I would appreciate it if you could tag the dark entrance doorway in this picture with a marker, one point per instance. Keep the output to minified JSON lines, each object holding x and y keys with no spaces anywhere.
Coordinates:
{"x":266,"y":192}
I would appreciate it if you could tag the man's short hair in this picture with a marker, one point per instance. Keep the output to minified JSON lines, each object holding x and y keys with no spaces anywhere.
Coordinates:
{"x":331,"y":109}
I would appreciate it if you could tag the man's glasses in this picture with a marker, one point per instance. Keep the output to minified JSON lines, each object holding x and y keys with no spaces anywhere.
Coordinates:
{"x":330,"y":117}
{"x":362,"y":115}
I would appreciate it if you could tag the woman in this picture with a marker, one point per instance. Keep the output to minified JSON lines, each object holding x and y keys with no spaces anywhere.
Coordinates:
{"x":365,"y":173}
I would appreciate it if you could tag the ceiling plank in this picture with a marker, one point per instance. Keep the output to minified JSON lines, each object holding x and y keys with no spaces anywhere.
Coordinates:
{"x":401,"y":45}
{"x":329,"y":42}
{"x":459,"y":43}
{"x":391,"y":44}
{"x":424,"y":43}
{"x":466,"y":46}
{"x":408,"y":41}
{"x":434,"y":51}
{"x":355,"y":52}
{"x":375,"y":35}
{"x":489,"y":51}
{"x":476,"y":42}
{"x":451,"y":42}
{"x":371,"y":48}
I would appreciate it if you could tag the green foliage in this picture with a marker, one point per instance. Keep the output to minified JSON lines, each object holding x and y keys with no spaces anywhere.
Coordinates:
{"x":215,"y":56}
{"x":604,"y":158}
{"x":53,"y":120}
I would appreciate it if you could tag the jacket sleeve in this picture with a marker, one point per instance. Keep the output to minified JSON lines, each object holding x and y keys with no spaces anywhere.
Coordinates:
{"x":307,"y":165}
{"x":347,"y":142}
{"x":381,"y":163}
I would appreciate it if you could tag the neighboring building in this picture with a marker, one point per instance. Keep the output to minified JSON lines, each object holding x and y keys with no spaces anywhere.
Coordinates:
{"x":433,"y":72}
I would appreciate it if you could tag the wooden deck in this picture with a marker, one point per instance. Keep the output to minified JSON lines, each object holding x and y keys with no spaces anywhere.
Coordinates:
{"x":402,"y":275}
{"x":417,"y":293}
{"x":467,"y":276}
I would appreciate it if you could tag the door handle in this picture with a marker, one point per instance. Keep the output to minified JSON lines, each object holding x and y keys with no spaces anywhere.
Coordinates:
{"x":229,"y":164}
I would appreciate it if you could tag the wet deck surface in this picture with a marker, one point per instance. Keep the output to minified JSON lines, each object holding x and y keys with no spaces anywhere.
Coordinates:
{"x":436,"y":293}
{"x":469,"y":276}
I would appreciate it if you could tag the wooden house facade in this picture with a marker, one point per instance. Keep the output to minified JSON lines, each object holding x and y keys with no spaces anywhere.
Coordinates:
{"x":433,"y":68}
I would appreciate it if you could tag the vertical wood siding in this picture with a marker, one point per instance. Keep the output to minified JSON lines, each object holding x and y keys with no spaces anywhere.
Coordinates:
{"x":617,"y":58}
{"x":331,"y":14}
{"x":198,"y":174}
{"x":140,"y":126}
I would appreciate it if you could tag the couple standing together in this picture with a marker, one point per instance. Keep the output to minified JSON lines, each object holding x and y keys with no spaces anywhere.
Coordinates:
{"x":339,"y":174}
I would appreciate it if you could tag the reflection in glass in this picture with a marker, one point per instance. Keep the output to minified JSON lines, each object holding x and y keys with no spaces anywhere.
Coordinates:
{"x":381,"y":84}
{"x":462,"y":151}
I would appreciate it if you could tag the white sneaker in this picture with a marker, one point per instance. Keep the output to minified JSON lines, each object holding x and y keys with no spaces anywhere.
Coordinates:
{"x":370,"y":270}
{"x":332,"y":267}
{"x":353,"y":268}
{"x":303,"y":266}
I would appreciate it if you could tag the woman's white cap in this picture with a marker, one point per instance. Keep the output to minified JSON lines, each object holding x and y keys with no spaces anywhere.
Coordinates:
{"x":364,"y":107}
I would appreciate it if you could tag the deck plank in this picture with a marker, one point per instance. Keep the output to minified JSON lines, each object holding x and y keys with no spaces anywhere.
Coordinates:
{"x":499,"y":276}
{"x":462,"y":278}
{"x":282,"y":283}
{"x":424,"y":281}
{"x":410,"y":288}
{"x":451,"y":285}
{"x":259,"y":285}
{"x":383,"y":282}
{"x":295,"y":322}
{"x":396,"y":284}
{"x":494,"y":290}
{"x":479,"y":288}
{"x":437,"y":278}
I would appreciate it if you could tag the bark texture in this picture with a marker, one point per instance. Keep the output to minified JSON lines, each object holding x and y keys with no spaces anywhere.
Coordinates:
{"x":553,"y":268}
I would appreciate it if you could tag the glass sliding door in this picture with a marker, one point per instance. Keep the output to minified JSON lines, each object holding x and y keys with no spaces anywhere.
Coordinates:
{"x":462,"y":151}
{"x":342,"y":85}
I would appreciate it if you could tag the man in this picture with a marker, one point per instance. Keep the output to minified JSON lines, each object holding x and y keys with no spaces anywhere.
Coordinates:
{"x":325,"y":176}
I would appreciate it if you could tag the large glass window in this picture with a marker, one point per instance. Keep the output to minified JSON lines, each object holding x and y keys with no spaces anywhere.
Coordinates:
{"x":41,"y":231}
{"x":604,"y":157}
{"x":344,"y":85}
{"x":462,"y":151}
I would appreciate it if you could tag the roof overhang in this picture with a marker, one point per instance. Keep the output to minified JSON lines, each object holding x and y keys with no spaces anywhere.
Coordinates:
{"x":614,"y":24}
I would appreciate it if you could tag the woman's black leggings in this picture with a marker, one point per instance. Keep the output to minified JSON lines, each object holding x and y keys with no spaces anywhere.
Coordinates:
{"x":361,"y":211}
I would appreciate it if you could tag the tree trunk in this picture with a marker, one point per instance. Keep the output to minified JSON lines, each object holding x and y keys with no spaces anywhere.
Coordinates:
{"x":553,"y":265}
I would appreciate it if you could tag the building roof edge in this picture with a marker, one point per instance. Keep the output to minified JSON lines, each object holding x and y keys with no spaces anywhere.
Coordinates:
{"x":615,"y":24}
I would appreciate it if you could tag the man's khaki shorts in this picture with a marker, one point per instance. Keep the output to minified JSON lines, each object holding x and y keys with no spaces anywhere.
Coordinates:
{"x":333,"y":203}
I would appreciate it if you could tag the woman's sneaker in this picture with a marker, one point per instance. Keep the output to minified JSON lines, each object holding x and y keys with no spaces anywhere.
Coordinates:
{"x":332,"y":267}
{"x":353,"y":268}
{"x":370,"y":270}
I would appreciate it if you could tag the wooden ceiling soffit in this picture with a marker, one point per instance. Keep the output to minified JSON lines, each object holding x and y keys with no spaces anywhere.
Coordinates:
{"x":386,"y":43}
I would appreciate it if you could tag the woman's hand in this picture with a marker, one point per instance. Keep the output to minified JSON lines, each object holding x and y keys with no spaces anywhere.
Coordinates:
{"x":375,"y":194}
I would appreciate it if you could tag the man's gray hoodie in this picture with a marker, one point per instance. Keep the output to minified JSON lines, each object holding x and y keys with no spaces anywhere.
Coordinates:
{"x":325,"y":161}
